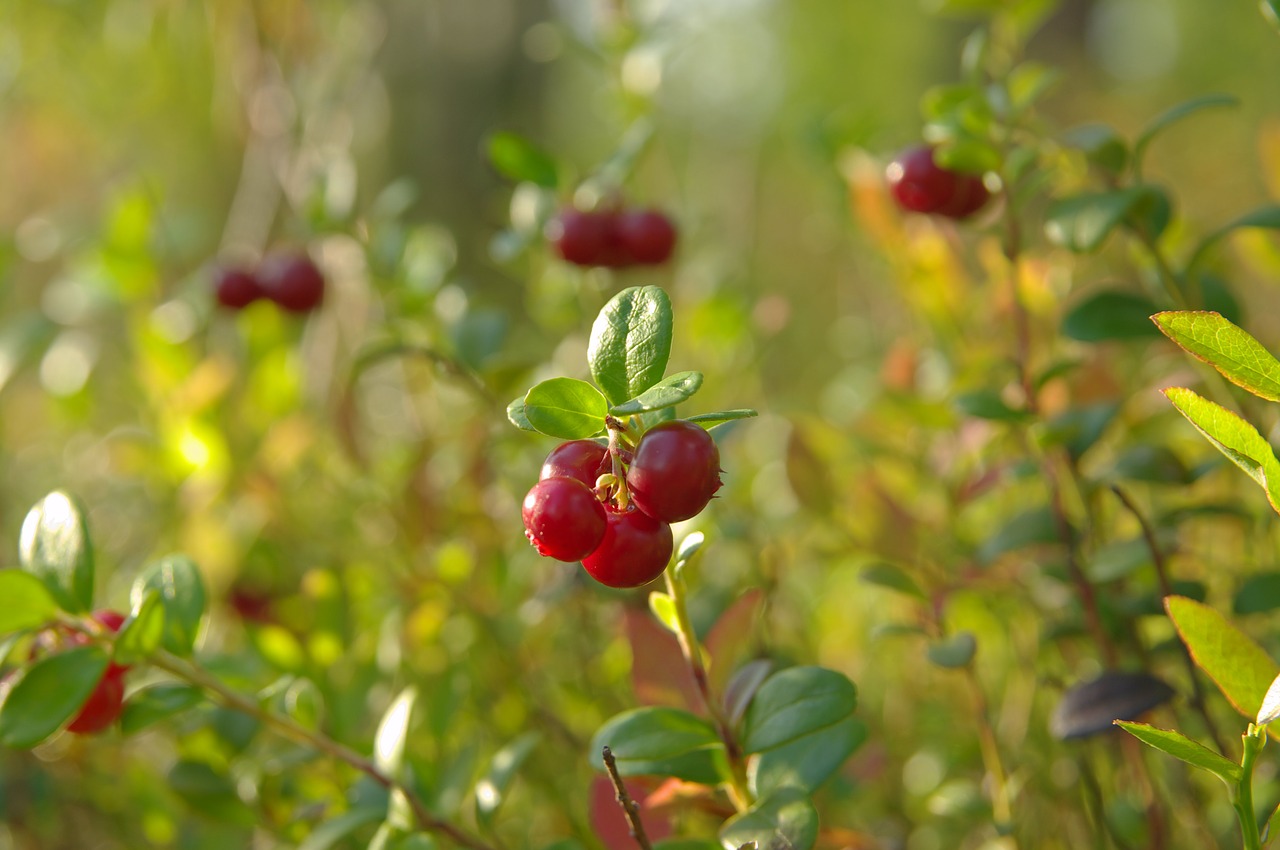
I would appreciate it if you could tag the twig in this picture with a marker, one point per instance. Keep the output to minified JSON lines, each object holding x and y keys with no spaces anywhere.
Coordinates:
{"x":629,"y":807}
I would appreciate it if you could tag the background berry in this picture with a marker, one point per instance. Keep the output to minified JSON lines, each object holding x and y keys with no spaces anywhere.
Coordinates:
{"x":634,"y":551}
{"x":236,"y":288}
{"x":647,"y":236}
{"x":292,"y":281}
{"x":919,"y":184}
{"x":675,"y":472}
{"x":563,"y":519}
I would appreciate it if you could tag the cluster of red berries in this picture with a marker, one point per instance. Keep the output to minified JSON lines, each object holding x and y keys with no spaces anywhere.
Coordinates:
{"x":612,"y":238}
{"x":920,"y":185}
{"x":104,"y":705}
{"x":292,"y":281}
{"x":621,"y":529}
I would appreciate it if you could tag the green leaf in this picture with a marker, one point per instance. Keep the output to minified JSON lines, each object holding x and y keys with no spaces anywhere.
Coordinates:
{"x":516,"y":158}
{"x":809,"y":761}
{"x":690,"y":546}
{"x":662,"y":741}
{"x":1240,"y":668}
{"x":1152,"y":463}
{"x":1175,"y":114}
{"x":1258,"y":593}
{"x":1121,"y":558}
{"x":388,"y":743}
{"x":1102,"y":145}
{"x":1030,"y":528}
{"x":566,"y":408}
{"x":209,"y":792}
{"x":28,"y":604}
{"x":491,"y":791}
{"x":54,"y":546}
{"x":1081,"y":223}
{"x":954,"y":651}
{"x":516,"y":415}
{"x":152,"y":704}
{"x":1180,"y":746}
{"x":48,"y":694}
{"x":1110,"y":315}
{"x":668,"y":392}
{"x":143,"y":632}
{"x":1265,"y":217}
{"x":664,"y":608}
{"x":795,"y":702}
{"x":1235,"y":438}
{"x":630,"y":342}
{"x":706,"y":420}
{"x":181,"y":589}
{"x":332,"y":831}
{"x":1271,"y":11}
{"x":784,"y":819}
{"x":987,"y":404}
{"x":1240,"y":358}
{"x":893,"y":577}
{"x":1079,"y":428}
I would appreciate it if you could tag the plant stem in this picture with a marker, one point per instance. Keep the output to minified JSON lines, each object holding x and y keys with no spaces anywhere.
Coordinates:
{"x":1166,"y":590}
{"x":1001,"y":805}
{"x":629,"y":807}
{"x":737,"y":789}
{"x":1254,"y":740}
{"x":289,"y":728}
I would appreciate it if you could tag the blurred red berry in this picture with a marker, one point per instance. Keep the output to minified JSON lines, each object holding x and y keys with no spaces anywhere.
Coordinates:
{"x":292,"y":281}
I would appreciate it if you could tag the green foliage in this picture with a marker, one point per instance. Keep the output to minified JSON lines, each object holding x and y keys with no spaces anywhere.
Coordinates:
{"x":630,"y":343}
{"x":1181,"y":747}
{"x":55,"y":547}
{"x":662,"y":742}
{"x":47,"y":694}
{"x":1240,"y":668}
{"x":176,"y":581}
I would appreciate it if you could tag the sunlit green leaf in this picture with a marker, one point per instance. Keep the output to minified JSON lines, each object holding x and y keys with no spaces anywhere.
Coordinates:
{"x":1103,"y":146}
{"x":54,"y":546}
{"x":389,"y":742}
{"x":668,"y":392}
{"x":1081,"y":223}
{"x":154,"y":703}
{"x":1180,"y":746}
{"x":516,"y":158}
{"x":566,"y":408}
{"x":1238,"y":356}
{"x":28,"y":604}
{"x":491,"y":790}
{"x":516,"y":415}
{"x":143,"y":632}
{"x":954,"y":651}
{"x":706,"y":420}
{"x":181,"y":589}
{"x":795,"y":702}
{"x":808,"y":761}
{"x":1110,"y":315}
{"x":785,"y":818}
{"x":48,"y":694}
{"x":662,"y":741}
{"x":630,"y":342}
{"x":664,"y":608}
{"x":1241,"y":669}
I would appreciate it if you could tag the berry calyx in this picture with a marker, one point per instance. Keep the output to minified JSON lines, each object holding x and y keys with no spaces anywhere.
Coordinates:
{"x":292,"y":281}
{"x":675,"y":471}
{"x":647,"y":236}
{"x":236,"y":288}
{"x":563,"y":519}
{"x":634,"y":551}
{"x":584,"y":460}
{"x":919,"y":184}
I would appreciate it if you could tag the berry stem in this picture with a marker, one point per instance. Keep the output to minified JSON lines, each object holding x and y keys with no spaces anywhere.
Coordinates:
{"x":289,"y":728}
{"x":739,"y":793}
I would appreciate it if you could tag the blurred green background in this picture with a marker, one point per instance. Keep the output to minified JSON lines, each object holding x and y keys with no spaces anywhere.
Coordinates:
{"x":369,"y":496}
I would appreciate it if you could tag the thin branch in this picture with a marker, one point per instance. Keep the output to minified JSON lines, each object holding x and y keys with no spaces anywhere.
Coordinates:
{"x":629,"y":807}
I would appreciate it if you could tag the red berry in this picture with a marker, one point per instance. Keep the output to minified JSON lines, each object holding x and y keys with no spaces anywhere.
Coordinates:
{"x":581,"y":238}
{"x":103,"y":706}
{"x":919,"y":184}
{"x":584,"y":460}
{"x":292,"y":281}
{"x":236,"y":288}
{"x":563,"y":519}
{"x":675,"y":471}
{"x":635,"y":550}
{"x":647,"y":236}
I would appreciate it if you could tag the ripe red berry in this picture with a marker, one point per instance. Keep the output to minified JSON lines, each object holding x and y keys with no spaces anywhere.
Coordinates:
{"x":103,"y":706}
{"x":584,"y":460}
{"x":919,"y":184}
{"x":635,"y":550}
{"x":563,"y":519}
{"x":235,"y":288}
{"x":581,"y":238}
{"x":675,"y":471}
{"x":647,"y":236}
{"x":292,"y":281}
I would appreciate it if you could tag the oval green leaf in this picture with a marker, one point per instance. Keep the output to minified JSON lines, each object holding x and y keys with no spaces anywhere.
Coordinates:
{"x":1258,"y":593}
{"x":152,"y":704}
{"x":668,"y":392}
{"x":177,"y":579}
{"x":809,"y":761}
{"x":795,"y":702}
{"x":1110,"y":315}
{"x":54,"y":546}
{"x":1241,"y":669}
{"x":1102,"y":145}
{"x":28,"y":604}
{"x":662,"y":741}
{"x":143,"y":632}
{"x":48,"y":694}
{"x":1240,"y":358}
{"x":516,"y":158}
{"x":566,"y":408}
{"x":706,"y":420}
{"x":1081,"y":223}
{"x":388,"y":743}
{"x":631,"y":342}
{"x":1180,"y":746}
{"x":786,"y":818}
{"x":953,"y":652}
{"x":1174,"y":115}
{"x":516,"y":415}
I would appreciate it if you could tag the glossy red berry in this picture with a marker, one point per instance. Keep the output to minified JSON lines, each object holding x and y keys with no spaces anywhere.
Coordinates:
{"x":103,"y":706}
{"x":235,"y":288}
{"x":584,"y":460}
{"x":635,"y":550}
{"x":675,"y":471}
{"x":647,"y":236}
{"x":292,"y":281}
{"x":919,"y":184}
{"x":563,"y":519}
{"x":581,"y":238}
